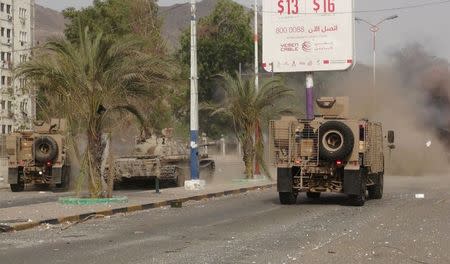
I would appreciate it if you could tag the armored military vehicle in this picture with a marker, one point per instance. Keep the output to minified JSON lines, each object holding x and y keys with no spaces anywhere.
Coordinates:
{"x":330,"y":153}
{"x":162,"y":157}
{"x":38,"y":156}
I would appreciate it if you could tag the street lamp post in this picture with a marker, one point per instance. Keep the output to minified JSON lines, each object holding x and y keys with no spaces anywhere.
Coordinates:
{"x":256,"y":40}
{"x":194,"y":96}
{"x":374,"y":28}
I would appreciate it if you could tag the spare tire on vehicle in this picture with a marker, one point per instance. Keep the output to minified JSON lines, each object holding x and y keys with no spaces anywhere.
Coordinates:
{"x":45,"y":149}
{"x":336,"y":141}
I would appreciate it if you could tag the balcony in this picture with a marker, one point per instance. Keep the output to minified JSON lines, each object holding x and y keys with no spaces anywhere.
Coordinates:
{"x":6,"y":65}
{"x":7,"y":41}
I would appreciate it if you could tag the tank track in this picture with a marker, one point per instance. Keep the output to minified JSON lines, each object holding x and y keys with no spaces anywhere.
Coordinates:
{"x":168,"y":172}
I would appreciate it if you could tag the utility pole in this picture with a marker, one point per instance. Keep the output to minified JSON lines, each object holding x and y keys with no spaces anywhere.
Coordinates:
{"x":309,"y":96}
{"x":256,"y":47}
{"x":257,"y":131}
{"x":374,"y":28}
{"x":194,"y":97}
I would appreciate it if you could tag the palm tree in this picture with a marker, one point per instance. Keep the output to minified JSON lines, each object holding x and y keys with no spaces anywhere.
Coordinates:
{"x":93,"y":82}
{"x":248,"y":109}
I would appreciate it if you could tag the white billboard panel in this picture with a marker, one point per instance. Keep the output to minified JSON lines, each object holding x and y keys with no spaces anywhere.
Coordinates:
{"x":307,"y":35}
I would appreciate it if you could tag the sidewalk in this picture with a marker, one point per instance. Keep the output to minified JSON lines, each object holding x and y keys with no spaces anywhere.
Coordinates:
{"x":3,"y":184}
{"x":29,"y":216}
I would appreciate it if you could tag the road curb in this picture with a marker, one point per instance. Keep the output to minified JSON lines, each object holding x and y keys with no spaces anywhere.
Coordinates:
{"x":134,"y":208}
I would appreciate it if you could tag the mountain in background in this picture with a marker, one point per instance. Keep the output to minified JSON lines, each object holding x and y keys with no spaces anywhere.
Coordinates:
{"x":176,"y":19}
{"x":50,"y":23}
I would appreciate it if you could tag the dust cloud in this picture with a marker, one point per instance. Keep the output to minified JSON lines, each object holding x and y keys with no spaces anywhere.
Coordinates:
{"x":411,"y":97}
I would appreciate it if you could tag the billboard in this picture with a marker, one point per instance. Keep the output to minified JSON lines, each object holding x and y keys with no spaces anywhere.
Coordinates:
{"x":307,"y":35}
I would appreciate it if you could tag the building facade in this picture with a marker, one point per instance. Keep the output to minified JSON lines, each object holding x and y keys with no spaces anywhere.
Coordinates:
{"x":17,"y":100}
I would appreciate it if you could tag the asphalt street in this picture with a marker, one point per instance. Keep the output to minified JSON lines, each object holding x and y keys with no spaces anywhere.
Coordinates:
{"x":255,"y":228}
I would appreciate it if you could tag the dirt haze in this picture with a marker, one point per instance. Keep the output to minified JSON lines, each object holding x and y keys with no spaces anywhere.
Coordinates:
{"x":410,"y":98}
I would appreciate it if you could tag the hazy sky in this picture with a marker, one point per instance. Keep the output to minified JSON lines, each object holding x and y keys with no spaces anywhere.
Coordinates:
{"x":426,"y":25}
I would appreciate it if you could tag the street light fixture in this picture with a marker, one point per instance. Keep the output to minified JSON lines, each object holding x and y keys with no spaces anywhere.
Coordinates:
{"x":374,"y":28}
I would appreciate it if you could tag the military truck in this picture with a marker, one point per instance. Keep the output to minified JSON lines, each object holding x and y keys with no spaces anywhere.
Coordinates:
{"x":161,"y":157}
{"x":38,"y":156}
{"x":330,"y":153}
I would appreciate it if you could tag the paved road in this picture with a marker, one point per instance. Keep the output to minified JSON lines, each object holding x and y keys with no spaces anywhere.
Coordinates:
{"x":255,"y":228}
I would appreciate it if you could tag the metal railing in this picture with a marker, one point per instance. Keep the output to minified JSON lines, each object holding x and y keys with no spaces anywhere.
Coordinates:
{"x":293,"y":143}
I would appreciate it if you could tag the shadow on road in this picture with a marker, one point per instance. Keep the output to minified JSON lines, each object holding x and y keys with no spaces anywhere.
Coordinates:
{"x":325,"y":199}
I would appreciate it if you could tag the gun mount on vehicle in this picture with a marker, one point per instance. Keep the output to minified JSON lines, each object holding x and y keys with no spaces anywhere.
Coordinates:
{"x":330,"y":153}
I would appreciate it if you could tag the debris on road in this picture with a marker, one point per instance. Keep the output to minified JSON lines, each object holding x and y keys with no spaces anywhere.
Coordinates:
{"x":5,"y":228}
{"x":82,"y":221}
{"x":15,"y":221}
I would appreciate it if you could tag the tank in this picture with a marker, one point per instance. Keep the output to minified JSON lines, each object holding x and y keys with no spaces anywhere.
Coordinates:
{"x":164,"y":158}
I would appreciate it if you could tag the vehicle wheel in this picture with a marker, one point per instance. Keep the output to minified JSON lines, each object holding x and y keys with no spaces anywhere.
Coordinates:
{"x":313,"y":195}
{"x":45,"y":149}
{"x":207,"y":171}
{"x":65,"y":180}
{"x":376,"y":191}
{"x":180,"y":177}
{"x":20,"y":186}
{"x":211,"y":170}
{"x":360,"y":199}
{"x":17,"y":187}
{"x":288,"y":197}
{"x":336,"y":141}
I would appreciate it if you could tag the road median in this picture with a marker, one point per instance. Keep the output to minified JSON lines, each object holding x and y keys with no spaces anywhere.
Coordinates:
{"x":55,"y":213}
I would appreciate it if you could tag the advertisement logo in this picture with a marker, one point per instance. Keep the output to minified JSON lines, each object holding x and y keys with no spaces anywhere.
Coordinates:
{"x":306,"y":46}
{"x":286,"y":47}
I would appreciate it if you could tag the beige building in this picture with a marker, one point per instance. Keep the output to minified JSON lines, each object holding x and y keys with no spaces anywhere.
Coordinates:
{"x":17,"y":107}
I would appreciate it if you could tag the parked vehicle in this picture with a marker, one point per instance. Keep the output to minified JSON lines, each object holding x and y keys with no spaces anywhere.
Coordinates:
{"x":38,"y":156}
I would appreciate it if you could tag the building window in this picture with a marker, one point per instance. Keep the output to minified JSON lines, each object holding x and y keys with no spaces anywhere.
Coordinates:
{"x":22,"y":13}
{"x":2,"y":7}
{"x":8,"y":56}
{"x":3,"y":80}
{"x":9,"y":80}
{"x":8,"y":9}
{"x":9,"y":128}
{"x":22,"y":83}
{"x":9,"y":106}
{"x":23,"y":36}
{"x":3,"y":31}
{"x":3,"y":55}
{"x":8,"y":33}
{"x":23,"y":58}
{"x":3,"y":103}
{"x":3,"y":129}
{"x":24,"y":106}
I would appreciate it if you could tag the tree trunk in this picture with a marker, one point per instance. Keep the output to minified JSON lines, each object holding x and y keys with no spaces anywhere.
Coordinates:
{"x":94,"y":160}
{"x":248,"y":155}
{"x":111,"y":176}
